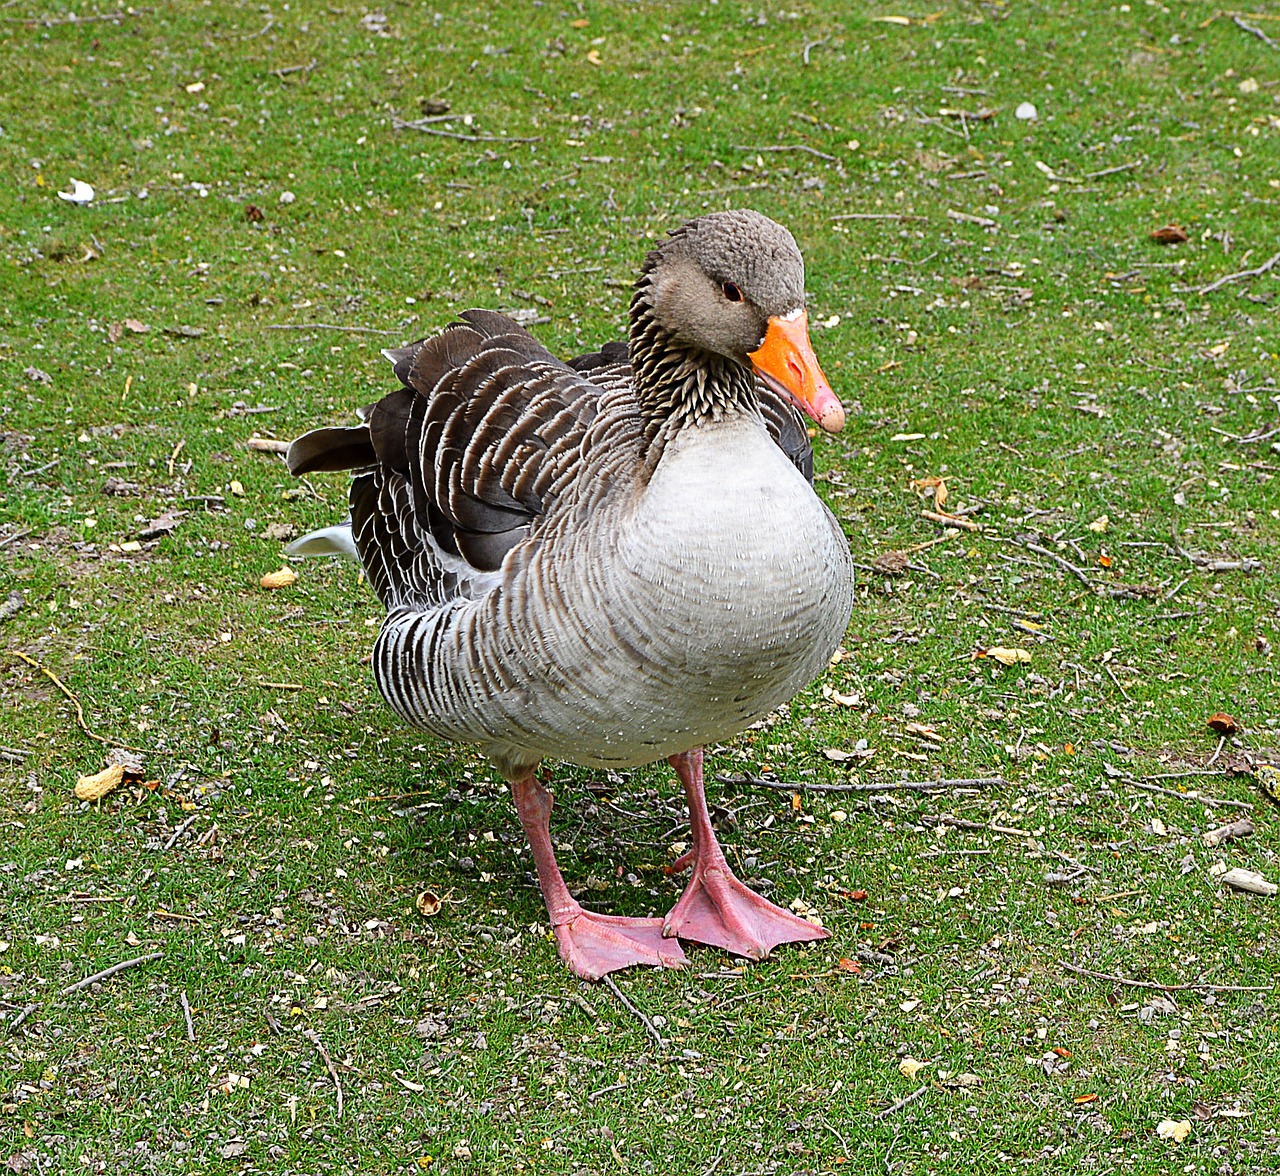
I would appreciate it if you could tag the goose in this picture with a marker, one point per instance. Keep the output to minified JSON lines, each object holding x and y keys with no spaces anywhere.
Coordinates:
{"x":609,"y":561}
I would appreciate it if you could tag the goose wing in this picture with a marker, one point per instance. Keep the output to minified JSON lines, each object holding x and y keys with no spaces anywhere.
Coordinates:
{"x":464,"y":461}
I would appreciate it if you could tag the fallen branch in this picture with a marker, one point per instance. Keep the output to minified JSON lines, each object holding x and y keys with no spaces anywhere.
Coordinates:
{"x":80,"y":719}
{"x":892,"y":786}
{"x":961,"y":823}
{"x":312,"y":1036}
{"x":267,"y":445}
{"x":1241,"y":23}
{"x":902,"y":1102}
{"x":788,"y":147}
{"x":872,"y":216}
{"x":1265,"y":267}
{"x":950,"y":520}
{"x":108,"y":972}
{"x":52,"y":21}
{"x":178,"y":832}
{"x":1210,"y":801}
{"x":1111,"y":171}
{"x":650,"y":1027}
{"x":1241,"y":828}
{"x":1066,"y":565}
{"x":1151,"y":984}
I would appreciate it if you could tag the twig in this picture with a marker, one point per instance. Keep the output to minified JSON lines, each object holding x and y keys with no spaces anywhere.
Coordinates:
{"x":312,"y":1036}
{"x":902,"y":1102}
{"x":1111,"y":171}
{"x":1112,"y":675}
{"x":292,"y":69}
{"x":595,"y":1094}
{"x":584,"y":1004}
{"x":961,"y":823}
{"x":186,"y":1012}
{"x":1241,"y":23}
{"x":326,"y":327}
{"x":417,"y":125}
{"x":179,"y":831}
{"x":787,"y":147}
{"x":80,"y":719}
{"x":1210,"y":801}
{"x":108,"y":972}
{"x":267,"y":445}
{"x":1265,"y":267}
{"x":813,"y":45}
{"x":892,"y":786}
{"x":1066,"y":565}
{"x":1162,"y":987}
{"x":889,"y":216}
{"x":650,"y":1028}
{"x":947,"y":520}
{"x":27,"y":1010}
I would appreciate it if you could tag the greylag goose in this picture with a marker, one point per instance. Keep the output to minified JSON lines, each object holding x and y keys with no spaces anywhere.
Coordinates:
{"x":610,"y":561}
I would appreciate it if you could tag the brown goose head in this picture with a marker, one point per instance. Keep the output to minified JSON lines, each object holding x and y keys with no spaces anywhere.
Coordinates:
{"x":731,"y":284}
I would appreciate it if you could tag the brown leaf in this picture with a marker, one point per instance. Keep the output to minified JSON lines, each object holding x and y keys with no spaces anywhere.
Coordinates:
{"x":428,"y":903}
{"x":114,"y":331}
{"x":891,"y":563}
{"x":137,"y":327}
{"x":1169,"y":235}
{"x":1223,"y":724}
{"x":158,"y":528}
{"x":252,"y":213}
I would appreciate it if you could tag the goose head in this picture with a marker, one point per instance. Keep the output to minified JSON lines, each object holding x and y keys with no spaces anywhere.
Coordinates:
{"x":731,"y":284}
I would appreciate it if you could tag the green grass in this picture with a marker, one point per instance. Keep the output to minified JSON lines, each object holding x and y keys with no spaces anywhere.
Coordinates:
{"x":1054,"y":366}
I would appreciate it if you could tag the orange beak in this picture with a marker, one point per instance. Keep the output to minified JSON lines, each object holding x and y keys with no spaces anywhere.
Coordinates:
{"x":786,"y":362}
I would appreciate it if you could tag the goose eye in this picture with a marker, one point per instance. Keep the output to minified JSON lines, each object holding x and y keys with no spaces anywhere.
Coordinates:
{"x":731,"y":292}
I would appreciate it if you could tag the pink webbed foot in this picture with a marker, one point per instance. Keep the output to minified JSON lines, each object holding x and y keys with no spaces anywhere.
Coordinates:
{"x":718,"y":910}
{"x":594,"y":945}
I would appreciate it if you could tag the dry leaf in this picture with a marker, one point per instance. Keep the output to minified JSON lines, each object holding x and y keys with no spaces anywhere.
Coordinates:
{"x":593,"y":56}
{"x":96,"y":787}
{"x":1169,"y":235}
{"x":1007,"y":657}
{"x":909,"y":1067}
{"x":847,"y":965}
{"x":905,"y":21}
{"x":428,"y":903}
{"x":1223,"y":724}
{"x":1081,"y":1099}
{"x":841,"y":699}
{"x":281,"y":579}
{"x":1100,"y":524}
{"x":836,"y":755}
{"x":891,"y":563}
{"x":1175,"y":1129}
{"x":137,"y":327}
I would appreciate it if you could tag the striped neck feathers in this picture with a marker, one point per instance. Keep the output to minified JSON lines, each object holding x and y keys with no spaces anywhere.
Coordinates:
{"x":677,"y":384}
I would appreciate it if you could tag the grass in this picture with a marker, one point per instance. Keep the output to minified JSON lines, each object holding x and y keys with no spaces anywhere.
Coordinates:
{"x":1054,"y":366}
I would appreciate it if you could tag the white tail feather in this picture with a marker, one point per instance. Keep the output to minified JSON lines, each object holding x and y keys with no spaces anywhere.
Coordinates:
{"x":335,"y":540}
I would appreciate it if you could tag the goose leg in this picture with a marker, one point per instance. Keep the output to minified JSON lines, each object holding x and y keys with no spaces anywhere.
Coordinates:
{"x":592,"y":945}
{"x":715,"y":907}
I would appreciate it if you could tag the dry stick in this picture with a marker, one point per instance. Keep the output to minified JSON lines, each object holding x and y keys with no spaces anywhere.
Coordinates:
{"x":326,"y":327}
{"x":1241,"y":23}
{"x":650,"y":1028}
{"x":1210,"y":801}
{"x":27,"y":1010}
{"x":267,"y":445}
{"x":80,"y":719}
{"x":787,"y":147}
{"x":1162,"y":987}
{"x":950,"y":520}
{"x":902,"y":1102}
{"x":398,"y":125}
{"x":894,"y":786}
{"x":1079,"y":573}
{"x":1111,"y":674}
{"x":961,"y":823}
{"x":51,"y":21}
{"x":312,"y":1036}
{"x":179,"y":831}
{"x":111,"y":971}
{"x":1265,"y":267}
{"x":186,"y":1012}
{"x":1111,"y":171}
{"x":890,"y":216}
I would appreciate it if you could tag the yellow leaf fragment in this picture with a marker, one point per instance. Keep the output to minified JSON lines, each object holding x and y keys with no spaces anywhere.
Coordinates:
{"x":96,"y":787}
{"x":428,"y":903}
{"x":1100,"y":524}
{"x":909,"y":1067}
{"x":905,"y":21}
{"x":281,"y":579}
{"x":1008,"y":657}
{"x":1175,"y":1129}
